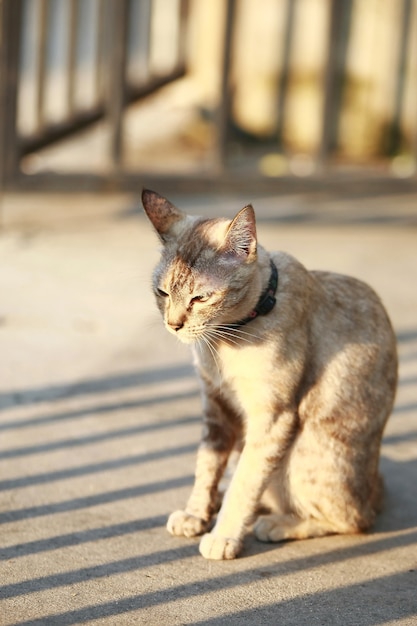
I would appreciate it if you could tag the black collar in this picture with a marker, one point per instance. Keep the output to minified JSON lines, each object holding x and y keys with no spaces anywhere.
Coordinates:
{"x":266,"y":301}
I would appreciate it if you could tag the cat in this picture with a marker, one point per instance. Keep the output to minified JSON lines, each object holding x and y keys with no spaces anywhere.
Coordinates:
{"x":298,"y":371}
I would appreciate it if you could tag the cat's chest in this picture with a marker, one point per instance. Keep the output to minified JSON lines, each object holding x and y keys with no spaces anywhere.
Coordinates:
{"x":245,"y":372}
{"x":242,"y":364}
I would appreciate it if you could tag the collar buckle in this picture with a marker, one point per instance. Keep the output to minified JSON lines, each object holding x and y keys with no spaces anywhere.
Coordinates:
{"x":267,"y":304}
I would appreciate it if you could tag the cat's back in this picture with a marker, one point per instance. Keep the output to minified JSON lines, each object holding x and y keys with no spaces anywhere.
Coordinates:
{"x":352,"y":309}
{"x":344,"y":338}
{"x":330,"y":302}
{"x":333,"y":322}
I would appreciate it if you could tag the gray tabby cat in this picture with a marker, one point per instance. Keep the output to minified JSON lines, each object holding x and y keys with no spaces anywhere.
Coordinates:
{"x":298,"y":370}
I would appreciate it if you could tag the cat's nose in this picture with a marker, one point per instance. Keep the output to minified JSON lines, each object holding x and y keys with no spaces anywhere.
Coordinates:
{"x":176,"y":325}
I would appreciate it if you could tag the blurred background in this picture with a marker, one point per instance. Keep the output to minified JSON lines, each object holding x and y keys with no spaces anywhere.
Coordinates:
{"x":113,"y":94}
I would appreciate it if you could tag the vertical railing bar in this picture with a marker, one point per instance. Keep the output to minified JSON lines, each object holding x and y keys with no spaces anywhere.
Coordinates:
{"x":72,"y":54}
{"x":182,"y":33}
{"x":329,"y":83}
{"x":394,"y":139}
{"x":285,"y":71}
{"x":340,"y":18}
{"x":145,"y":17}
{"x":41,"y":60}
{"x":414,"y":136}
{"x":119,"y":11}
{"x":10,"y":37}
{"x":100,"y":50}
{"x":223,"y":110}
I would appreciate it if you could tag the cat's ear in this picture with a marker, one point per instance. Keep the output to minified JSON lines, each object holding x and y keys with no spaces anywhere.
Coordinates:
{"x":161,"y":213}
{"x":241,"y":235}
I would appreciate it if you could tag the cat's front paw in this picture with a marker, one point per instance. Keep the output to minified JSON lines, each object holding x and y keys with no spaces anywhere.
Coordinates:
{"x":183,"y":524}
{"x":219,"y":548}
{"x":268,"y":529}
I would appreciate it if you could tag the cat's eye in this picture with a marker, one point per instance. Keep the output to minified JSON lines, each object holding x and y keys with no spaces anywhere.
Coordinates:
{"x":161,"y":292}
{"x":203,"y":298}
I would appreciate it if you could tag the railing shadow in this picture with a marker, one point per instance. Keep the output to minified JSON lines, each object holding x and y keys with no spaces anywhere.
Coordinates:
{"x":103,"y":466}
{"x":80,"y":537}
{"x":293,"y":608}
{"x":395,"y":529}
{"x":106,"y":384}
{"x":106,"y":497}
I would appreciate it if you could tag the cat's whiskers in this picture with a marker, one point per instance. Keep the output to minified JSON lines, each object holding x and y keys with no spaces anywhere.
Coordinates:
{"x":217,"y":334}
{"x":226,"y":330}
{"x":212,"y":349}
{"x":239,"y":331}
{"x":223,"y":336}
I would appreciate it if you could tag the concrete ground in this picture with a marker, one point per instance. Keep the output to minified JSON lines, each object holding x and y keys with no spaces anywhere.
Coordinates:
{"x":100,"y":419}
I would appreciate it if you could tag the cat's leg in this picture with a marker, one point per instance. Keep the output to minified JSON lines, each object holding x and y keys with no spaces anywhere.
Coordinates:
{"x":337,"y":514}
{"x":332,"y":489}
{"x":204,"y":500}
{"x":259,"y":458}
{"x":221,"y":430}
{"x":274,"y":528}
{"x":274,"y":499}
{"x":281,"y":523}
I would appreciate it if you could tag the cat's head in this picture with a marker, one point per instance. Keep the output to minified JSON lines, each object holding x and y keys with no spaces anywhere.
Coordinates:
{"x":207,"y":274}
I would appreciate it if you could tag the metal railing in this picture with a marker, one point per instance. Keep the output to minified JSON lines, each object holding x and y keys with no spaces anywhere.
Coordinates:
{"x":120,"y":39}
{"x":104,"y":48}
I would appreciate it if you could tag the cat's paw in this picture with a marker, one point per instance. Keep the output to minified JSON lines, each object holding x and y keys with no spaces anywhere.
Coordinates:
{"x":219,"y":548}
{"x":268,"y":529}
{"x":182,"y":524}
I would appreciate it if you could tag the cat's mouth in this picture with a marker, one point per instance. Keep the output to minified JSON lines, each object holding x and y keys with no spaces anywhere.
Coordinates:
{"x":206,"y":334}
{"x":185,"y":334}
{"x":211,"y":334}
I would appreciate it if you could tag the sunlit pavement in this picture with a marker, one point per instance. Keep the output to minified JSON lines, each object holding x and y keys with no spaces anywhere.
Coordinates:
{"x":100,"y":419}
